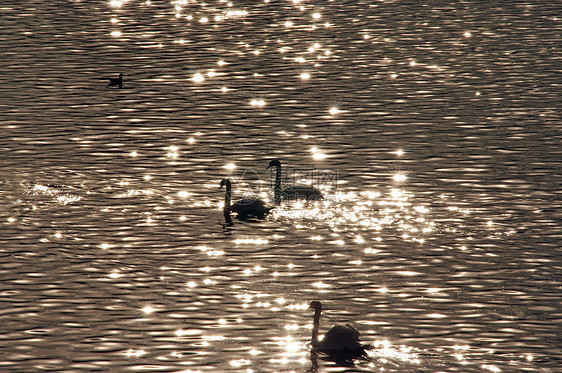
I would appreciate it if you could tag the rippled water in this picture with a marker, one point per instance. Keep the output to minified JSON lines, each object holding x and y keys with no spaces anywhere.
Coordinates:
{"x":439,"y":236}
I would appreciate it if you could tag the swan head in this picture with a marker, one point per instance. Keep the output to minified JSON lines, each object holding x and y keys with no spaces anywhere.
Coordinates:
{"x":226,"y":183}
{"x":274,"y":163}
{"x":315,"y":305}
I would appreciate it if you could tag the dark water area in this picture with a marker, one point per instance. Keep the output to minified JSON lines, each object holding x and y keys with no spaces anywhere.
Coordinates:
{"x":438,"y":238}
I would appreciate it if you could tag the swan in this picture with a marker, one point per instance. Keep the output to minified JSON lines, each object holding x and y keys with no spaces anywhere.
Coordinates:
{"x":293,"y":192}
{"x":245,"y":208}
{"x":116,"y":81}
{"x":341,"y":343}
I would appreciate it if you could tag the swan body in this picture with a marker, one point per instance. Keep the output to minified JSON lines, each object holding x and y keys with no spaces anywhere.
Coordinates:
{"x":116,"y":81}
{"x":341,"y":343}
{"x":250,"y":207}
{"x":301,"y":192}
{"x":244,"y":208}
{"x":293,"y":192}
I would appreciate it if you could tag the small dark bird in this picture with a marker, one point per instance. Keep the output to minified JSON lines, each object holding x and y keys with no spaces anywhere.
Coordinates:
{"x":116,"y":81}
{"x":293,"y":192}
{"x":340,"y":344}
{"x":244,"y":208}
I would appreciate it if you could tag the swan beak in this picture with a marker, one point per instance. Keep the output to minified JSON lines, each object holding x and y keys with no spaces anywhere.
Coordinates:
{"x":268,"y":167}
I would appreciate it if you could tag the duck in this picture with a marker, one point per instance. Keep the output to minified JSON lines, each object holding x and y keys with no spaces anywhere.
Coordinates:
{"x":116,"y":81}
{"x":244,"y":208}
{"x":293,"y":192}
{"x":340,"y":344}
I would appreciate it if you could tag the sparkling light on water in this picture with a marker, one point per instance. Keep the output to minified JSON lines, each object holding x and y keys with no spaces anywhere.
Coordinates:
{"x":198,"y":78}
{"x":384,"y":349}
{"x":257,"y":102}
{"x":334,"y":111}
{"x":140,"y":207}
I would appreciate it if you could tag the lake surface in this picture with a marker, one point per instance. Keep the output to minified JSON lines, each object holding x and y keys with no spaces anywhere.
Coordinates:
{"x":433,"y":130}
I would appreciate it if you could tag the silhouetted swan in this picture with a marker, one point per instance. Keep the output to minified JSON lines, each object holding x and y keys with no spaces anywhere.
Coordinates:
{"x":293,"y":192}
{"x":245,"y":208}
{"x":116,"y":81}
{"x":341,"y":343}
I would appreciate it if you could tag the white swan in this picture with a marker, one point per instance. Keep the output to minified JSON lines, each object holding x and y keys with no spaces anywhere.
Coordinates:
{"x":244,"y":208}
{"x":341,"y":343}
{"x":293,"y":192}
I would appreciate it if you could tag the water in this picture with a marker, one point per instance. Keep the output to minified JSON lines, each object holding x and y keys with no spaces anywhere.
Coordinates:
{"x":439,"y":238}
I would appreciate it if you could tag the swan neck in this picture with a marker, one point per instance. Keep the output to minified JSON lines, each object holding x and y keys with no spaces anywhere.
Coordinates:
{"x":277,"y":188}
{"x":316,"y":326}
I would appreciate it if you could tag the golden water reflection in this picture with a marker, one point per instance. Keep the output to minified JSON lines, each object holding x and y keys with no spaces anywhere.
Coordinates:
{"x":113,"y":247}
{"x":370,"y":210}
{"x":354,"y":220}
{"x":293,"y":343}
